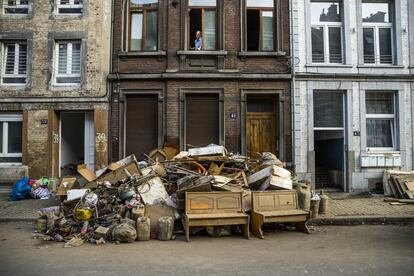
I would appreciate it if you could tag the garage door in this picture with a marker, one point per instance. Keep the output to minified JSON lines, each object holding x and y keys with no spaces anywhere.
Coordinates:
{"x":202,"y":119}
{"x":141,"y":124}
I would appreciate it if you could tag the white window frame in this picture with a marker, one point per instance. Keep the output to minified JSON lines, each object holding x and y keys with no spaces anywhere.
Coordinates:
{"x":390,"y":117}
{"x":70,"y":5}
{"x":68,"y":64}
{"x":16,"y":6}
{"x":376,"y":26}
{"x":326,"y":26}
{"x":5,"y":119}
{"x":3,"y":60}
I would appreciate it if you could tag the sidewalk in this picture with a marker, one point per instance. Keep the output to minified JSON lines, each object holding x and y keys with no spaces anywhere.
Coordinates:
{"x":23,"y":209}
{"x":365,"y":208}
{"x":343,"y":209}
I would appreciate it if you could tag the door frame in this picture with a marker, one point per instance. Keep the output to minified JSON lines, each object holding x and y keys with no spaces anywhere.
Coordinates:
{"x":279,"y":120}
{"x":59,"y":116}
{"x":183,"y":112}
{"x":123,"y":95}
{"x":345,"y":147}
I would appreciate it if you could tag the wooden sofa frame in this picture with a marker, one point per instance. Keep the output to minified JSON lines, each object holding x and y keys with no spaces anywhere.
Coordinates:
{"x":214,"y":209}
{"x":277,"y":206}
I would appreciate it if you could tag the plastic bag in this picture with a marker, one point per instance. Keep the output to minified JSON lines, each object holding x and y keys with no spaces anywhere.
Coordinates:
{"x":21,"y":190}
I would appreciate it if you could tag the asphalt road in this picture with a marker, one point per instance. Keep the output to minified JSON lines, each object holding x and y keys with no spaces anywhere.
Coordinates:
{"x":330,"y":250}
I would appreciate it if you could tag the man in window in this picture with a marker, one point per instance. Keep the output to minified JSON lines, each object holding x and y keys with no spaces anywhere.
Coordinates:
{"x":198,"y":42}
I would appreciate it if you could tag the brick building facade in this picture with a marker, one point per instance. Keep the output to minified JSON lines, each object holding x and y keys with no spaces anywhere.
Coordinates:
{"x":53,"y":96}
{"x":234,"y":91}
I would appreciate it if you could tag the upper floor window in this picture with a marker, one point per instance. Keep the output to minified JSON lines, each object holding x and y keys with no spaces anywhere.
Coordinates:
{"x":260,"y":25}
{"x":67,"y":62}
{"x":13,"y":63}
{"x":326,"y":20}
{"x":203,"y":22}
{"x":143,"y":25}
{"x":377,"y":23}
{"x":69,"y":6}
{"x":10,"y":138}
{"x":15,"y":6}
{"x":380,"y":120}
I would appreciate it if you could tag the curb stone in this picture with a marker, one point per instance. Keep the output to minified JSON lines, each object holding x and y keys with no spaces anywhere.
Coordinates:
{"x":353,"y":220}
{"x":357,"y":220}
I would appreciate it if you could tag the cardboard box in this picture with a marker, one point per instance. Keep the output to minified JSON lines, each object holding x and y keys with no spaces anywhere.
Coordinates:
{"x":65,"y":185}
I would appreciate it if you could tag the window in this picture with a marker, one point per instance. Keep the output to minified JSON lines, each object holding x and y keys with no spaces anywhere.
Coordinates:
{"x":260,"y":25}
{"x":377,"y":18}
{"x":10,"y":138}
{"x":326,"y":19}
{"x":67,"y":62}
{"x":15,"y":6}
{"x":69,"y":6}
{"x":143,"y":25}
{"x":202,"y":16}
{"x":14,"y":63}
{"x":380,"y":120}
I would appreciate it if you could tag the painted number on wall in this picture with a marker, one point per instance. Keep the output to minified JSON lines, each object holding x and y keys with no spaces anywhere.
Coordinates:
{"x":101,"y":142}
{"x":55,"y":138}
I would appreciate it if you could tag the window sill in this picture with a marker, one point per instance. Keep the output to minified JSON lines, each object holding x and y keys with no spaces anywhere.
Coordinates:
{"x":261,"y":54}
{"x":142,"y":54}
{"x":202,"y":53}
{"x":59,"y":16}
{"x":379,"y":152}
{"x":16,"y":16}
{"x":65,"y":87}
{"x":14,"y":87}
{"x":329,"y":65}
{"x":380,"y":66}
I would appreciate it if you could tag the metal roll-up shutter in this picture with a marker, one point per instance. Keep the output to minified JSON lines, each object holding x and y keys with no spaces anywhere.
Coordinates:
{"x":202,"y":119}
{"x":141,"y":124}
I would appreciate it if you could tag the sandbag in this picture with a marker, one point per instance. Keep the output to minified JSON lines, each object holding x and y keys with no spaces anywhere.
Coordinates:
{"x":124,"y":232}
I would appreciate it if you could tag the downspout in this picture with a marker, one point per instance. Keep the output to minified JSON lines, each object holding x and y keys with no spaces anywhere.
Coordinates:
{"x":293,"y":86}
{"x":110,"y":83}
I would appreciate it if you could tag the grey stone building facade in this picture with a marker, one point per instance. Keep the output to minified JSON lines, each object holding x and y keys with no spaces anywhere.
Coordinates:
{"x":353,"y":91}
{"x":53,"y":97}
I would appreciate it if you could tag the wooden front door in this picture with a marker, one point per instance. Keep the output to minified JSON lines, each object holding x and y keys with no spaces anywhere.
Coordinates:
{"x":260,"y":133}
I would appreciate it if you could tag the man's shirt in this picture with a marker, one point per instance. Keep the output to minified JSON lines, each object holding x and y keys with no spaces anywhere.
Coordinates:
{"x":198,"y":43}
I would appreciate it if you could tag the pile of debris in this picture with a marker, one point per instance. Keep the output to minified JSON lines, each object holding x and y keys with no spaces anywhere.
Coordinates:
{"x":130,"y":200}
{"x":399,"y":184}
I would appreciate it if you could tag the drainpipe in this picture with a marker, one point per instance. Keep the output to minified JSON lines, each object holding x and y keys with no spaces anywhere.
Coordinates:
{"x":293,"y":86}
{"x":109,"y":83}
